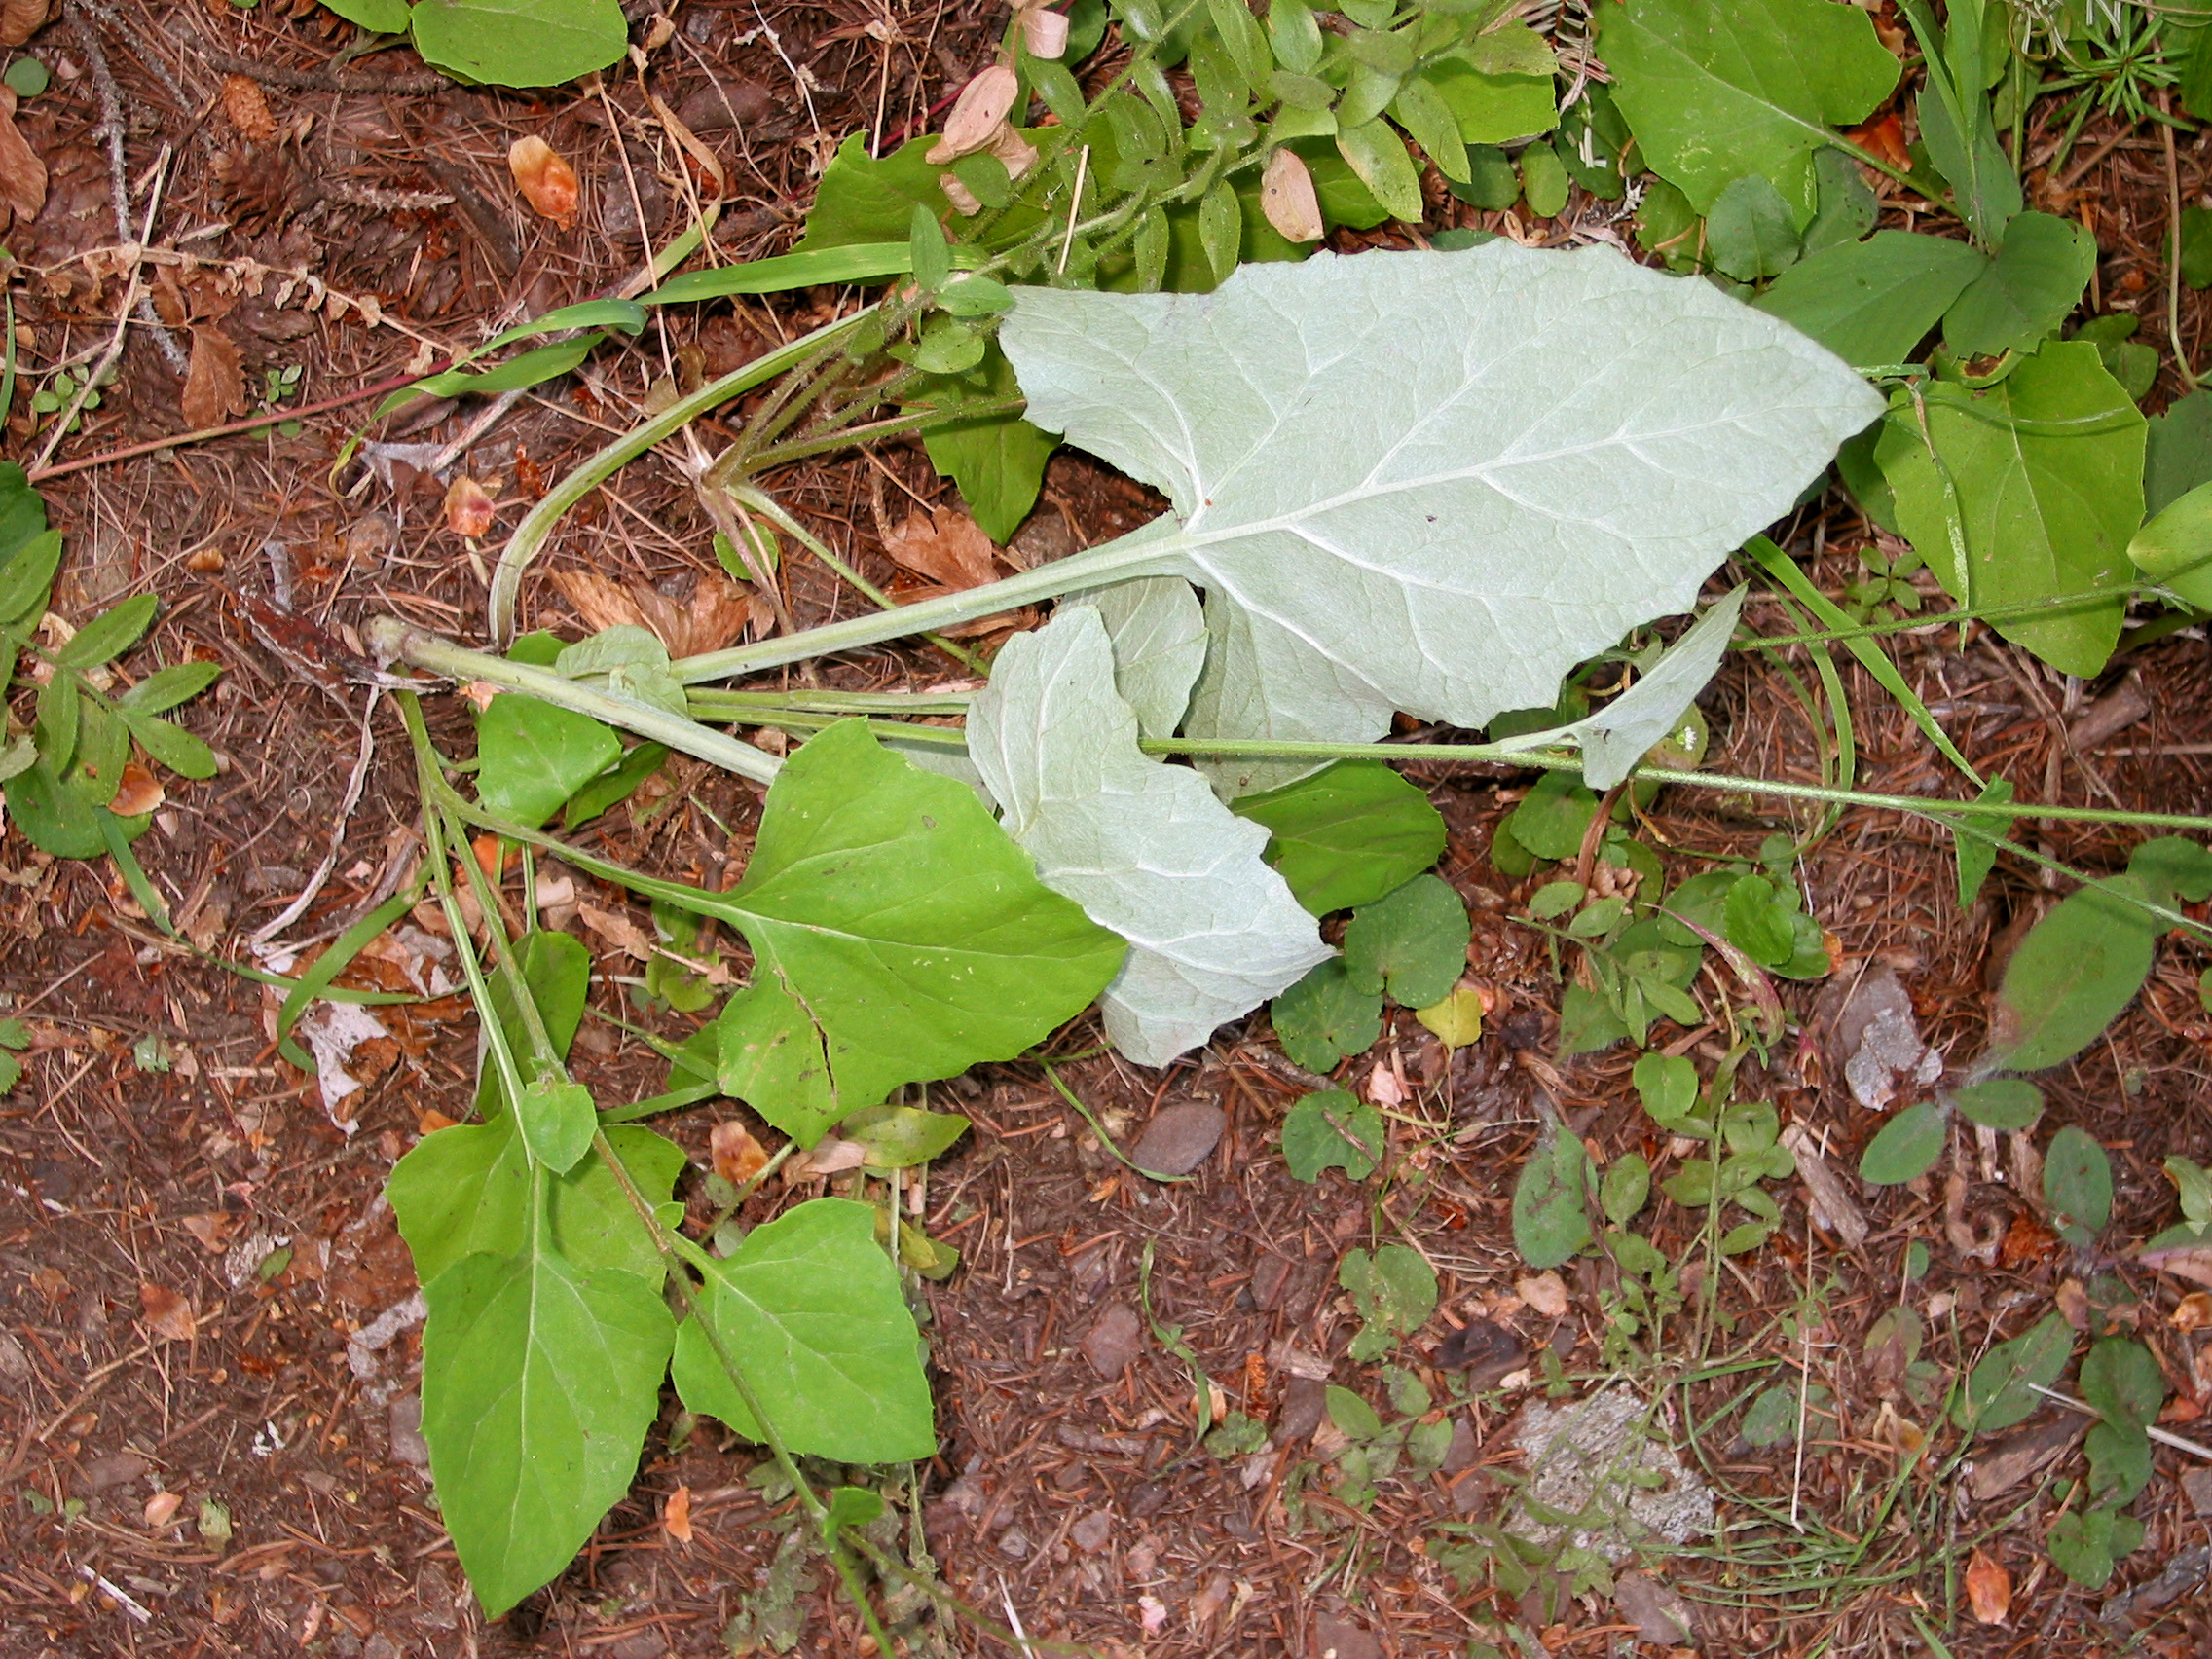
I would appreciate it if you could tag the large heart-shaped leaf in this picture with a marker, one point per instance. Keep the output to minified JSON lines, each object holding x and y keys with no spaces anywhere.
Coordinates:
{"x":1432,"y":482}
{"x":1144,"y":848}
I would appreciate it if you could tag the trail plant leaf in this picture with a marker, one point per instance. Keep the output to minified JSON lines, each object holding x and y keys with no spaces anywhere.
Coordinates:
{"x":1554,"y":815}
{"x":519,"y":43}
{"x":809,"y":1308}
{"x":1399,"y":487}
{"x":1143,"y":847}
{"x":2177,"y":457}
{"x":1752,"y":232}
{"x":771,"y":1058}
{"x":2001,"y":1103}
{"x":915,"y":934}
{"x":534,"y":756}
{"x":2077,"y":1178}
{"x":1412,"y":942}
{"x":1907,"y":1147}
{"x":1331,"y":1129}
{"x":1873,"y":302}
{"x":2047,"y":466}
{"x":2026,"y":291}
{"x":2073,"y":973}
{"x":1551,"y":1221}
{"x":2122,"y":1380}
{"x":540,"y":1379}
{"x":1772,"y":1419}
{"x":2000,"y":1390}
{"x":1755,"y":88}
{"x":1976,"y":855}
{"x":1160,"y":644}
{"x":2085,"y":1544}
{"x":1324,"y":1018}
{"x":1347,"y":835}
{"x":1457,"y":1019}
{"x":2174,"y":549}
{"x":998,"y":461}
{"x":1395,"y":1290}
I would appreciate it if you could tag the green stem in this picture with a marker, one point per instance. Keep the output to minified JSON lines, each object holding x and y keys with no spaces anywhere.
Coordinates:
{"x":529,"y":535}
{"x":899,"y":426}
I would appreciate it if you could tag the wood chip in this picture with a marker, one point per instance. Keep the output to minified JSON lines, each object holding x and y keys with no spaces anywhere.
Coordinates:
{"x":215,"y":380}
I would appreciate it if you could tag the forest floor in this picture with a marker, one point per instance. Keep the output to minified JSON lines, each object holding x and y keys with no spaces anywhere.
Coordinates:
{"x":207,"y":1406}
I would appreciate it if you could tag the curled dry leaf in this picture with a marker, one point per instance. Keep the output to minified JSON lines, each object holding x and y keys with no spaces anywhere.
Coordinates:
{"x":247,"y":109}
{"x":214,"y":1232}
{"x":1544,"y":1293}
{"x":161,"y":1509}
{"x":22,"y":176}
{"x":137,"y":794}
{"x":964,"y":202}
{"x":948,"y":547}
{"x":976,"y":115}
{"x":2194,"y":1312}
{"x":215,"y":380}
{"x":1044,"y":33}
{"x":601,"y":603}
{"x":547,"y":182}
{"x":1014,"y":152}
{"x":1287,"y":198}
{"x":1989,"y":1589}
{"x":828,"y":1157}
{"x":170,"y":1318}
{"x":713,"y":617}
{"x":19,"y":20}
{"x":618,"y":930}
{"x":738,"y":1156}
{"x":469,"y":508}
{"x":676,"y":1515}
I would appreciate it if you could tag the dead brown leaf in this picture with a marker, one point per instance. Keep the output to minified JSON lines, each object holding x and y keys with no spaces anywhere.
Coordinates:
{"x":713,"y":617}
{"x":976,"y":114}
{"x":828,"y":1157}
{"x":618,"y":930}
{"x":949,"y":548}
{"x":738,"y":1156}
{"x":2194,"y":1312}
{"x":22,"y":176}
{"x":2190,"y":1261}
{"x":215,"y":380}
{"x":19,"y":20}
{"x":170,"y":1318}
{"x":1989,"y":1589}
{"x":601,"y":603}
{"x":1544,"y":1293}
{"x":248,"y":108}
{"x":469,"y":508}
{"x":1044,"y":33}
{"x":161,"y":1509}
{"x":212,"y":1230}
{"x":1287,"y":199}
{"x":547,"y":182}
{"x":676,"y":1515}
{"x":137,"y":792}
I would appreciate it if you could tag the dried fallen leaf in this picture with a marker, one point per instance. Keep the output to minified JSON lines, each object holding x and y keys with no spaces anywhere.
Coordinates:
{"x":1384,"y":1087}
{"x":676,"y":1515}
{"x":215,"y":380}
{"x":1044,"y":33}
{"x":469,"y":508}
{"x":1544,"y":1293}
{"x":547,"y":182}
{"x":2190,"y":1261}
{"x":161,"y":1509}
{"x":212,"y":1230}
{"x":248,"y":108}
{"x":137,"y":792}
{"x":601,"y":603}
{"x":828,"y":1157}
{"x":170,"y":1318}
{"x":1287,"y":199}
{"x":618,"y":930}
{"x":1989,"y":1589}
{"x":2193,"y":1312}
{"x":713,"y":616}
{"x":19,"y":20}
{"x":22,"y":176}
{"x":973,"y":123}
{"x":948,"y":547}
{"x":737,"y":1155}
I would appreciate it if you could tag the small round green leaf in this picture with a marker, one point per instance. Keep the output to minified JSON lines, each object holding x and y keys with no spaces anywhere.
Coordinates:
{"x":2001,"y":1103}
{"x":2077,"y":1178}
{"x":1332,"y":1128}
{"x":1908,"y":1147}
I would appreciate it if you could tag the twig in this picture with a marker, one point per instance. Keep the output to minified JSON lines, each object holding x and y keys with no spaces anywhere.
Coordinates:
{"x":307,"y":895}
{"x":2163,"y":1436}
{"x":321,"y":80}
{"x":41,"y":472}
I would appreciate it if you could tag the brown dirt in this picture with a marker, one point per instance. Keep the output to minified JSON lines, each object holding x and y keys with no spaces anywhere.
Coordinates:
{"x":1065,"y":1496}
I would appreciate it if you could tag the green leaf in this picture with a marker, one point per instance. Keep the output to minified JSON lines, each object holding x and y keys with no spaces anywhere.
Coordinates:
{"x":1999,"y":1391}
{"x":1711,"y":104}
{"x":1419,"y":108}
{"x":1554,"y":815}
{"x":809,"y":1308}
{"x":1145,"y":848}
{"x":465,"y":1191}
{"x":2119,"y":1454}
{"x":1351,"y":1414}
{"x":2085,"y":1545}
{"x":1772,"y":1419}
{"x":1551,"y":1221}
{"x":1759,"y":921}
{"x":516,"y":374}
{"x":1956,"y":125}
{"x":1412,"y":942}
{"x":167,"y":687}
{"x":1323,"y":1018}
{"x":2077,"y":1178}
{"x":168,"y":743}
{"x":1396,"y":1292}
{"x":1495,"y":107}
{"x":1456,"y":1019}
{"x":1873,"y":302}
{"x":2048,"y":468}
{"x":520,"y":42}
{"x":2196,"y":247}
{"x":1625,"y":1188}
{"x":2001,"y":1103}
{"x":378,"y":16}
{"x":2071,"y":976}
{"x":1160,"y":644}
{"x":1668,"y":1085}
{"x":57,"y":817}
{"x":1221,"y":228}
{"x":771,"y":1058}
{"x":927,"y":247}
{"x":556,"y":968}
{"x":540,"y":1381}
{"x":617,"y":784}
{"x":2177,"y":457}
{"x":1848,"y":207}
{"x":900,"y":1137}
{"x":2193,"y":1184}
{"x":1311,"y":521}
{"x":1375,"y":152}
{"x":1544,"y":180}
{"x":535,"y":757}
{"x":998,"y":461}
{"x":1348,"y":835}
{"x":915,"y":932}
{"x":2174,"y":549}
{"x":1331,"y":1129}
{"x":2124,"y":1381}
{"x":2026,"y":292}
{"x":1907,"y":1147}
{"x":110,"y":634}
{"x":1751,"y":232}
{"x":1977,"y":857}
{"x":26,"y":578}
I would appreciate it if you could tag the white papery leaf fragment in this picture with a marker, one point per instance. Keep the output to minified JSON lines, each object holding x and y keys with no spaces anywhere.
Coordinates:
{"x":1144,"y":848}
{"x":1432,"y":482}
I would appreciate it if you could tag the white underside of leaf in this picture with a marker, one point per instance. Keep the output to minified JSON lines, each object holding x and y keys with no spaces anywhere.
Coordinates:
{"x":1261,"y":681}
{"x":1441,"y":479}
{"x":1144,"y":848}
{"x":1159,"y":634}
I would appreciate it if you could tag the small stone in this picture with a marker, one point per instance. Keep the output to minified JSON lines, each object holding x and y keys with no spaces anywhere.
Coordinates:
{"x":2196,"y":1487}
{"x":380,"y":1646}
{"x":1660,"y":1614}
{"x":1014,"y":1544}
{"x":1338,"y":1638}
{"x":407,"y":1443}
{"x":1302,"y":1401}
{"x":1178,"y":1140}
{"x":1113,"y":1340}
{"x":115,"y":1469}
{"x":1093,"y":1532}
{"x":14,"y":1362}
